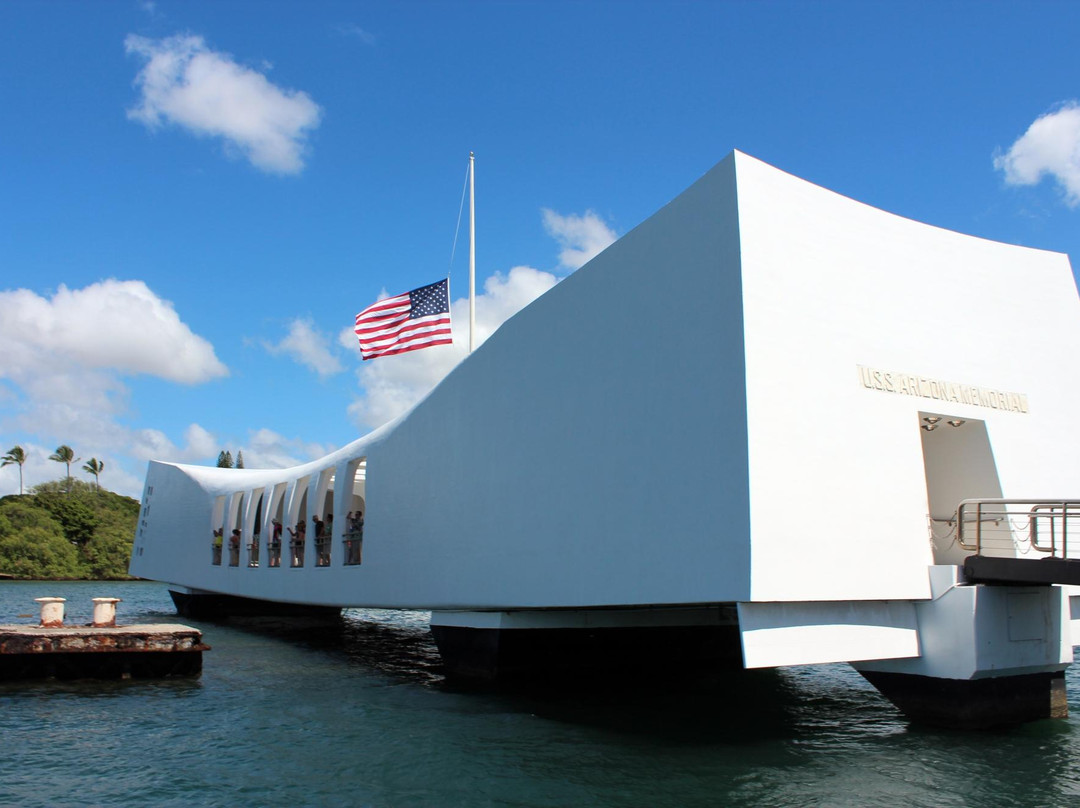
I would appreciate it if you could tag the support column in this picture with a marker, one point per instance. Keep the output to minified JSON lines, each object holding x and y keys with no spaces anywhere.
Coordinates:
{"x":974,"y":703}
{"x":990,"y":656}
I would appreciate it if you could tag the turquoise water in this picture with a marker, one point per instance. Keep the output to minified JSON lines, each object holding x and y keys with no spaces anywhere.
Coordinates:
{"x":359,"y":714}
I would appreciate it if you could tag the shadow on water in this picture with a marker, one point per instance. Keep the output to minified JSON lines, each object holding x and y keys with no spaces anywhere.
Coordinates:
{"x":179,"y":687}
{"x":674,"y":706}
{"x":395,"y":645}
{"x":677,"y":707}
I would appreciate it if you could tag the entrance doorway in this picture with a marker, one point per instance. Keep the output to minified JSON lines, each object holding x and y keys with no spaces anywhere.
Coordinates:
{"x":959,"y":464}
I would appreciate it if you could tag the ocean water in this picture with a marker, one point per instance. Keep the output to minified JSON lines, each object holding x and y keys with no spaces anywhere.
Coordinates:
{"x":359,"y":714}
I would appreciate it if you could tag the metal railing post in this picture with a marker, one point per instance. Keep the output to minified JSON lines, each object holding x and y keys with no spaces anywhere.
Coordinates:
{"x":1064,"y":530}
{"x":978,"y":528}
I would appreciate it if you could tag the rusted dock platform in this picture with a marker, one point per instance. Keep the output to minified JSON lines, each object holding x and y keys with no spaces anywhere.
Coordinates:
{"x":108,"y":652}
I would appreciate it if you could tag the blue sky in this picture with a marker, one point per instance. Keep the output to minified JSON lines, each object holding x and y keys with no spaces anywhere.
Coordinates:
{"x":197,"y":197}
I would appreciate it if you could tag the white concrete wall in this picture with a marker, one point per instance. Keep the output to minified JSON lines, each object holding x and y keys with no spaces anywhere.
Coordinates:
{"x":593,"y":452}
{"x":776,"y":634}
{"x":838,"y":492}
{"x":973,"y":632}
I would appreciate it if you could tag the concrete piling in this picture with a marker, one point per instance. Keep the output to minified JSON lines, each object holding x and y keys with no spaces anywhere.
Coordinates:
{"x":105,"y":612}
{"x":52,"y":612}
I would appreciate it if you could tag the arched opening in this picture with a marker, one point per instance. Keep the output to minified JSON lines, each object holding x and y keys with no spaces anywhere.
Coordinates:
{"x":322,"y":517}
{"x":353,"y":529}
{"x":253,"y":545}
{"x":217,"y":529}
{"x":298,"y":534}
{"x":233,"y":527}
{"x":277,"y":521}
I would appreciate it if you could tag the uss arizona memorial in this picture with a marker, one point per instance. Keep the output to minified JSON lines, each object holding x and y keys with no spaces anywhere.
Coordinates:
{"x":770,"y":424}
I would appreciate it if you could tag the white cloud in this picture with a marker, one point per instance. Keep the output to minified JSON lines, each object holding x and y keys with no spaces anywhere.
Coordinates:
{"x":64,"y":358}
{"x":185,"y":83}
{"x":353,"y":30}
{"x":116,"y":325}
{"x":267,"y":449}
{"x":581,"y":237}
{"x":1051,"y":145}
{"x":153,"y":444}
{"x":39,"y":469}
{"x":200,"y":443}
{"x":308,"y":347}
{"x":116,"y":477}
{"x":394,"y":384}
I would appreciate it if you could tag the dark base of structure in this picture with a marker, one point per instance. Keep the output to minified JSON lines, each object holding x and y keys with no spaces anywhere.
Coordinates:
{"x":209,"y":606}
{"x":1021,"y":571}
{"x":108,"y":665}
{"x":487,"y":655}
{"x":974,"y":703}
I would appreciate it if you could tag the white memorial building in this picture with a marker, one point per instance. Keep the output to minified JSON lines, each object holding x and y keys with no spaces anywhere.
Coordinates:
{"x":742,"y":432}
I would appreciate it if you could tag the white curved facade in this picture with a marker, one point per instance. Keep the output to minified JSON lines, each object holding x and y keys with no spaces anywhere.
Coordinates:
{"x":723,"y":407}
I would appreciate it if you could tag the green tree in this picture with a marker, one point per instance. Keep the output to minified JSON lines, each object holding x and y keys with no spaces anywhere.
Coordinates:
{"x":107,"y":554}
{"x":95,"y":467}
{"x":76,"y":517}
{"x":65,"y":455}
{"x":79,"y":488}
{"x":224,"y":460}
{"x":239,"y":459}
{"x":52,"y":533}
{"x":15,"y":455}
{"x":32,"y":543}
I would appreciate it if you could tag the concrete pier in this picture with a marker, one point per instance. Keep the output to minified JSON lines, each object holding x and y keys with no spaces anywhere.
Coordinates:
{"x":974,"y":703}
{"x":88,"y":652}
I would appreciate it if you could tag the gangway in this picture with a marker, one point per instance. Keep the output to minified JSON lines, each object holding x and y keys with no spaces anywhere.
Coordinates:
{"x":1020,"y":541}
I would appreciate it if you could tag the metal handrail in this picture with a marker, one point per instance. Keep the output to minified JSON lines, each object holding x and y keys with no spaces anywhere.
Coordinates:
{"x":353,"y":543}
{"x":1037,"y":511}
{"x":322,"y":550}
{"x":296,"y":548}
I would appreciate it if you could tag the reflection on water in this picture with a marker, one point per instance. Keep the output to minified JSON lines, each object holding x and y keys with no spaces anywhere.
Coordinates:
{"x":357,"y":712}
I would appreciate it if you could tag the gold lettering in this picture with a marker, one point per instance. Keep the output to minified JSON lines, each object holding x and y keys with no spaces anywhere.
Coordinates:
{"x":941,"y":389}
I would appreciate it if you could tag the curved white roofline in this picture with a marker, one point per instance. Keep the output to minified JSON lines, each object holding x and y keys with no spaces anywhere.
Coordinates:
{"x":723,"y":406}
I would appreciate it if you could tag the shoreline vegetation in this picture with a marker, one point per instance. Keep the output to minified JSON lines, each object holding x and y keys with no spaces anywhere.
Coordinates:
{"x":67,"y":530}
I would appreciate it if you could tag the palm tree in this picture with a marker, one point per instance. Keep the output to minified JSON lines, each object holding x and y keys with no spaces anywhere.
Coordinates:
{"x":65,"y":455}
{"x":15,"y":455}
{"x":95,"y":467}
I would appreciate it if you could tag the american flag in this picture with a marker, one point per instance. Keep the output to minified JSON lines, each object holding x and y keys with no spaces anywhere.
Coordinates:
{"x":407,"y":322}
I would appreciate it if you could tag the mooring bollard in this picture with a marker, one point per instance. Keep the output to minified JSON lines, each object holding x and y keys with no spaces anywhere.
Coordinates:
{"x":52,"y":612}
{"x":105,"y":612}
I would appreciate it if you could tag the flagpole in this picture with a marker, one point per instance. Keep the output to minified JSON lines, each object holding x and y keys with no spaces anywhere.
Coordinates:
{"x":472,"y":252}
